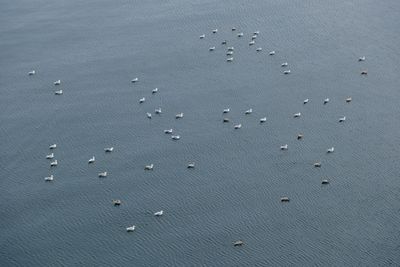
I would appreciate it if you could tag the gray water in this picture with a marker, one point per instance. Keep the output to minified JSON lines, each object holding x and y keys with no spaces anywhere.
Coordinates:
{"x":97,"y":47}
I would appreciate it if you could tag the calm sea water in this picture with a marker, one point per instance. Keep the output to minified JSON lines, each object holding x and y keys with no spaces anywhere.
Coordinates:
{"x":97,"y":47}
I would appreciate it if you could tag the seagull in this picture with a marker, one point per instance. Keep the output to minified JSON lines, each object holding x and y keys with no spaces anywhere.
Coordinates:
{"x":148,"y":115}
{"x":256,"y":32}
{"x":305,"y":101}
{"x":259,"y":49}
{"x":49,"y":178}
{"x":224,"y":42}
{"x":226,"y":110}
{"x":91,"y":160}
{"x":135,"y":80}
{"x":175,"y":137}
{"x":155,"y":90}
{"x":58,"y":82}
{"x":59,"y":92}
{"x":158,"y":111}
{"x":286,"y":72}
{"x":149,"y":167}
{"x":130,"y":228}
{"x":159,"y":213}
{"x":215,"y":31}
{"x":285,"y":199}
{"x":364,"y":72}
{"x":272,"y":53}
{"x":284,"y":147}
{"x":284,"y":64}
{"x":262,"y":120}
{"x":253,"y":37}
{"x":212,"y":48}
{"x":179,"y":116}
{"x":142,"y":100}
{"x":190,"y":165}
{"x":252,"y":43}
{"x":53,"y":146}
{"x":102,"y":174}
{"x":348,"y":100}
{"x":361,"y":59}
{"x":116,"y":202}
{"x":233,"y":29}
{"x":237,"y":126}
{"x":108,"y":149}
{"x":299,"y":136}
{"x":32,"y":72}
{"x":229,"y":59}
{"x":297,"y":115}
{"x":229,"y":53}
{"x":54,"y":163}
{"x":50,"y":156}
{"x":240,"y":34}
{"x":317,"y":164}
{"x":342,"y":119}
{"x":326,"y":100}
{"x":325,"y":181}
{"x":231,"y":48}
{"x":238,"y":243}
{"x":249,"y":111}
{"x":202,"y":36}
{"x":225,"y":120}
{"x":169,"y":131}
{"x":330,"y":150}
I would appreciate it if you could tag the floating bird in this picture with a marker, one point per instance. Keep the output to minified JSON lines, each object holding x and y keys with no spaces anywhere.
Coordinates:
{"x":149,"y":167}
{"x":249,"y":111}
{"x":158,"y":111}
{"x":142,"y":100}
{"x":297,"y":115}
{"x":252,"y":43}
{"x":50,"y":156}
{"x":259,"y":49}
{"x":348,"y":100}
{"x":342,"y":119}
{"x":130,"y":228}
{"x":53,"y":146}
{"x":237,"y":126}
{"x":256,"y":32}
{"x":238,"y":243}
{"x":175,"y":137}
{"x":233,"y":29}
{"x":305,"y":101}
{"x":215,"y":31}
{"x":284,"y":64}
{"x":225,"y":120}
{"x":190,"y":165}
{"x":317,"y":164}
{"x":262,"y":120}
{"x":159,"y":213}
{"x":330,"y":150}
{"x":116,"y":202}
{"x":212,"y":48}
{"x":59,"y":92}
{"x":102,"y":174}
{"x":229,"y":59}
{"x":253,"y":37}
{"x":32,"y":72}
{"x":202,"y":36}
{"x":223,"y":42}
{"x":285,"y":199}
{"x":58,"y":82}
{"x":272,"y":53}
{"x":286,"y":72}
{"x":364,"y":72}
{"x":325,"y":181}
{"x":91,"y":160}
{"x":148,"y":115}
{"x":229,"y":53}
{"x":361,"y":59}
{"x":326,"y":100}
{"x":179,"y":116}
{"x":108,"y":149}
{"x":240,"y":34}
{"x":299,"y":136}
{"x":226,"y":110}
{"x":169,"y":131}
{"x":155,"y":90}
{"x":49,"y":178}
{"x":231,"y":48}
{"x":135,"y":80}
{"x":284,"y":147}
{"x":54,"y":163}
